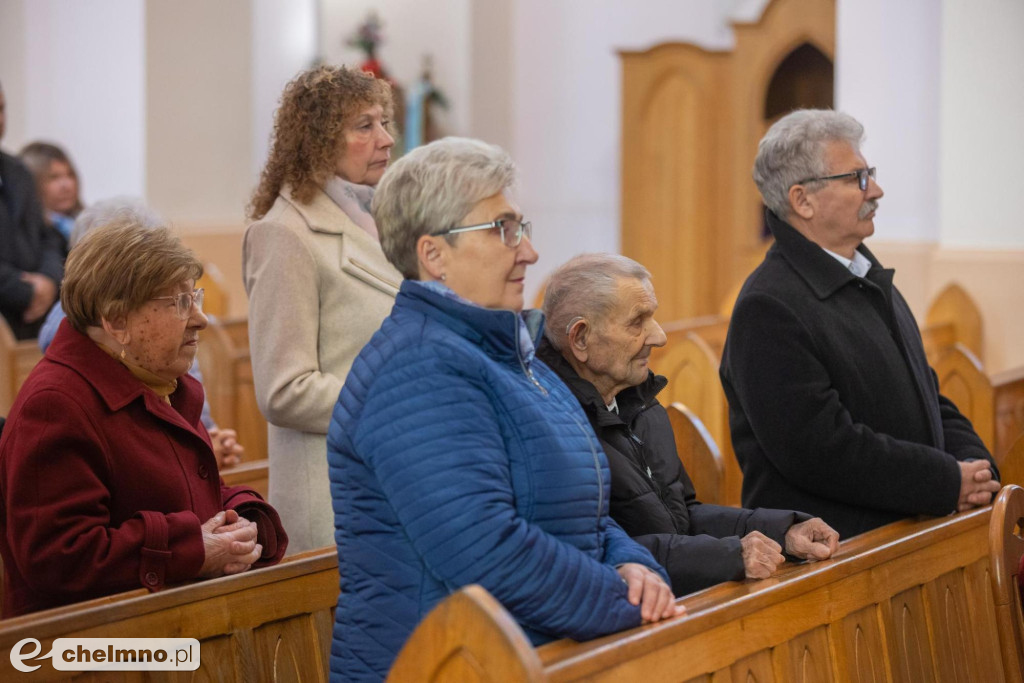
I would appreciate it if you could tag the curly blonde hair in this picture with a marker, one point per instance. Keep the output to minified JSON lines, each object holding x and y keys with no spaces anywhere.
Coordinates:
{"x":316,"y":107}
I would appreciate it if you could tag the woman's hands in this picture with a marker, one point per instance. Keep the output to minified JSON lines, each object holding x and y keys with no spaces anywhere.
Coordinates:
{"x":226,"y":447}
{"x":649,"y":590}
{"x":230,"y":545}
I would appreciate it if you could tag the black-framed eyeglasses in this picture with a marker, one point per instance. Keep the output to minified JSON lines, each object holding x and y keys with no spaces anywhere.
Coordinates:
{"x":512,"y":231}
{"x":184,"y":302}
{"x":862,"y":177}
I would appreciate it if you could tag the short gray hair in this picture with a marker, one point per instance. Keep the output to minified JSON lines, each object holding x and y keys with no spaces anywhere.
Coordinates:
{"x":121,"y":209}
{"x":793,"y":150}
{"x":432,"y":188}
{"x":585,"y":287}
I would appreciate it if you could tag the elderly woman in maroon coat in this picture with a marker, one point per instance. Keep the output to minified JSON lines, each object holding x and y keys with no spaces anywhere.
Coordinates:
{"x":108,"y":480}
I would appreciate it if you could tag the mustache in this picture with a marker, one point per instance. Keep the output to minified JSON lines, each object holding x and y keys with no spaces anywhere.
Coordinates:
{"x":866,"y":208}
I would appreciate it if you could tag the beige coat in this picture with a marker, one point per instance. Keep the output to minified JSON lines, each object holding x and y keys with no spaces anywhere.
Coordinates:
{"x":319,"y":287}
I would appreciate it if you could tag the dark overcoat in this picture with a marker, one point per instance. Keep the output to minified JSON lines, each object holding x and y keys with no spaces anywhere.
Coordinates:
{"x":27,"y":244}
{"x":653,"y":498}
{"x":832,"y":405}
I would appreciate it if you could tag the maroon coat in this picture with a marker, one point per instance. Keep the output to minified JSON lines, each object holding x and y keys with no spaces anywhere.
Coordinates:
{"x":103,"y":486}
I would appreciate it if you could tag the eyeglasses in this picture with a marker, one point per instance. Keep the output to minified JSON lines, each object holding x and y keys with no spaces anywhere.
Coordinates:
{"x":184,"y":302}
{"x":862,"y":177}
{"x":512,"y":231}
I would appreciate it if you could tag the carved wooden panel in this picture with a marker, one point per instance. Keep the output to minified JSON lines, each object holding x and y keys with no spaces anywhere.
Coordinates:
{"x":858,"y":643}
{"x":909,"y":650}
{"x":290,"y":650}
{"x":955,"y":306}
{"x":808,"y":659}
{"x":698,"y":453}
{"x":977,"y":582}
{"x":1009,"y":409}
{"x":947,"y":606}
{"x":757,"y":668}
{"x":962,"y":381}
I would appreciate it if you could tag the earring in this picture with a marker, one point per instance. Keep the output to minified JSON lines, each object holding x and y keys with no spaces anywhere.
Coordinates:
{"x":443,"y":277}
{"x":123,"y":354}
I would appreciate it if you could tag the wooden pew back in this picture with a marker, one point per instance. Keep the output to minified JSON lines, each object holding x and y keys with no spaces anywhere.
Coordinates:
{"x":698,"y":453}
{"x":691,"y":367}
{"x":227,"y":378}
{"x":17,"y":358}
{"x":1007,"y":547}
{"x":271,"y":624}
{"x":908,"y":602}
{"x":962,"y":381}
{"x":953,"y":306}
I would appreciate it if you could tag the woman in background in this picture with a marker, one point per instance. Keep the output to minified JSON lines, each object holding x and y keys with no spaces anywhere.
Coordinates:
{"x":57,"y":185}
{"x":317,"y":280}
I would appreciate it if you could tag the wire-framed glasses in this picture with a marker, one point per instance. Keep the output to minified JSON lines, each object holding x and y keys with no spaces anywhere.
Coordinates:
{"x":862,"y":177}
{"x":184,"y":302}
{"x":512,"y":230}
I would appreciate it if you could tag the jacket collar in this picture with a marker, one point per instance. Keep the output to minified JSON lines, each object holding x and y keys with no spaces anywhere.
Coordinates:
{"x":322,"y":214}
{"x":116,"y":385}
{"x":631,"y":400}
{"x":496,"y":331}
{"x":822,"y":273}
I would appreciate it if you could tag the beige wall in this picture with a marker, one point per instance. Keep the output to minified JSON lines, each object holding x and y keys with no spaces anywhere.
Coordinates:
{"x":993,"y":278}
{"x":198,"y":111}
{"x":12,"y":71}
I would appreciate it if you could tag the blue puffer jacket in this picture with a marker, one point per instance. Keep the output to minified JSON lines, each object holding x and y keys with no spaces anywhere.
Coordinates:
{"x":452,"y":462}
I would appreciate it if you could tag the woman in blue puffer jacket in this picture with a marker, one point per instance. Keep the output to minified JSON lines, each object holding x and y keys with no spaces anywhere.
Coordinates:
{"x":455,"y":456}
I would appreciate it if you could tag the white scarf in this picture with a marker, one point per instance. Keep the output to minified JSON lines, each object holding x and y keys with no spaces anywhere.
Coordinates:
{"x":354,"y":200}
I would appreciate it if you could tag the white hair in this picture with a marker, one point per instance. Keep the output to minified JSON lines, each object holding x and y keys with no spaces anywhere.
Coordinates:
{"x":586,"y":286}
{"x":793,"y":150}
{"x":115,"y":210}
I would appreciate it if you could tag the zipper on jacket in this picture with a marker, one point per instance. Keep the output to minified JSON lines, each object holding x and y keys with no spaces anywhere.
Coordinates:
{"x":532,"y":378}
{"x":522,"y":363}
{"x":597,"y":467}
{"x":638,"y":446}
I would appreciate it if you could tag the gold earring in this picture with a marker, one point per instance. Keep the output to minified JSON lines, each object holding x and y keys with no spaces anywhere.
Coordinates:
{"x":123,"y":354}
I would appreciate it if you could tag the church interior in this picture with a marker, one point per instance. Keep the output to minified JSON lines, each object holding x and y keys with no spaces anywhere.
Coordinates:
{"x":634,"y":126}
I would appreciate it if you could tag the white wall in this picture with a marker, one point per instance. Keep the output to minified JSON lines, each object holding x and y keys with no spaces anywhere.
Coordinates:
{"x":12,"y":71}
{"x":412,"y":28}
{"x":888,"y":78}
{"x":284,"y":42}
{"x":83,"y":88}
{"x":982,"y":123}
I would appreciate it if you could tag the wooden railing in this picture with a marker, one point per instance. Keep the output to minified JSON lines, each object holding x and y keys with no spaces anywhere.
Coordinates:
{"x":907,"y":602}
{"x":17,"y":358}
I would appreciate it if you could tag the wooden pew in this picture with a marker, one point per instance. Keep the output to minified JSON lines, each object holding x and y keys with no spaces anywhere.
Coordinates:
{"x":995,"y":406}
{"x":691,"y":367}
{"x":907,"y":602}
{"x":271,"y":624}
{"x":1006,"y":546}
{"x":215,"y":295}
{"x":17,"y":358}
{"x":954,"y":307}
{"x":251,"y":473}
{"x":227,"y":378}
{"x":698,"y":453}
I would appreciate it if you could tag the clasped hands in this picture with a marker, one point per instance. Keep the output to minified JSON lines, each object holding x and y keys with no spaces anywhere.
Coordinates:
{"x":810,"y":540}
{"x":230,"y":544}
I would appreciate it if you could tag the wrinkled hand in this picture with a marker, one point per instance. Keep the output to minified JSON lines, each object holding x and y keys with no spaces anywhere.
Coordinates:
{"x":44,"y":293}
{"x":761,"y":555}
{"x":230,"y":545}
{"x":812,"y":540}
{"x":976,"y":485}
{"x":226,"y":447}
{"x":649,"y":590}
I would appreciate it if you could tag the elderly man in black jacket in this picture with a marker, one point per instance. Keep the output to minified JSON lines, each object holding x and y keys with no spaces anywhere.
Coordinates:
{"x":31,"y":256}
{"x":600,"y":332}
{"x":832,"y":406}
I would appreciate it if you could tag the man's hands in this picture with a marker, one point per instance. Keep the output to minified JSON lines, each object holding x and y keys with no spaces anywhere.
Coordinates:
{"x":647,"y":589}
{"x":976,"y":485}
{"x":226,"y":447}
{"x":44,"y":293}
{"x":761,"y":555}
{"x":812,"y":540}
{"x":230,"y":545}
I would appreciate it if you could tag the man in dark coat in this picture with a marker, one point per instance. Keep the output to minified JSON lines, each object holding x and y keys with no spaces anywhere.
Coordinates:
{"x":832,"y":406}
{"x":600,"y":332}
{"x":31,"y":260}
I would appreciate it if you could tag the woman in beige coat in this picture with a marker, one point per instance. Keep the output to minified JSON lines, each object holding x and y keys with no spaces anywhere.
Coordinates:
{"x":318,"y":283}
